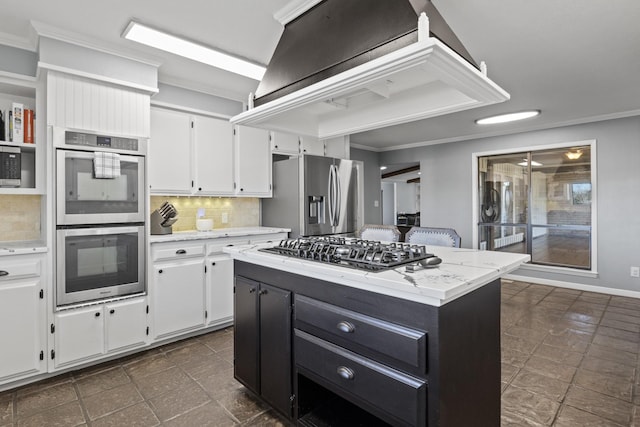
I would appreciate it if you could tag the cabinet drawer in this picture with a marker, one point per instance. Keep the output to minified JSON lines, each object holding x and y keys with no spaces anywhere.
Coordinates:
{"x":19,"y":269}
{"x":174,"y":251}
{"x":357,"y":331}
{"x":217,"y":246}
{"x":402,"y":396}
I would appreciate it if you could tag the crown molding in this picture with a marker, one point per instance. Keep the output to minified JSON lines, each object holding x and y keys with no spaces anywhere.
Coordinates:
{"x":56,"y":33}
{"x":293,"y":9}
{"x":25,"y":43}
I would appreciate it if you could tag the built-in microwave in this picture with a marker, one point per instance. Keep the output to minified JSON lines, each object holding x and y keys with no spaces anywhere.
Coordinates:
{"x":99,"y":262}
{"x":84,"y":197}
{"x":10,"y":169}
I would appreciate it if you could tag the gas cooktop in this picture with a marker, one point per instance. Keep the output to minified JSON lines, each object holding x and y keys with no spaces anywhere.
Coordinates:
{"x":356,"y":253}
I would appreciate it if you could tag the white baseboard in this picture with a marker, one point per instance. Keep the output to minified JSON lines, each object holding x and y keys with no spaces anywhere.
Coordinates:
{"x":577,"y":286}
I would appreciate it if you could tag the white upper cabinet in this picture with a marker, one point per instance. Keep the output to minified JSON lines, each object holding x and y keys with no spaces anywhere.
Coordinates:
{"x":190,"y":154}
{"x":213,"y":143}
{"x":289,"y":144}
{"x":338,"y":147}
{"x":170,"y":152}
{"x":285,"y":143}
{"x":310,"y":145}
{"x":253,"y":162}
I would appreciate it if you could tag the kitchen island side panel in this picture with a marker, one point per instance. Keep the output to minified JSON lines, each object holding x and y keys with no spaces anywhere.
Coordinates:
{"x":464,"y":379}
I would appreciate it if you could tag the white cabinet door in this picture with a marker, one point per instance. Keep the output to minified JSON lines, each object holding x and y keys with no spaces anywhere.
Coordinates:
{"x":313,"y":146}
{"x":337,"y":147}
{"x":170,"y":152}
{"x":78,"y":335}
{"x":285,"y":143}
{"x":219,"y":289}
{"x":178,"y":297}
{"x":21,"y":328}
{"x":126,"y":324}
{"x":213,"y":156}
{"x":253,"y":162}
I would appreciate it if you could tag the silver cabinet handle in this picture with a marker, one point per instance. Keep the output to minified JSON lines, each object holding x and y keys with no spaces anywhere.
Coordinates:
{"x":345,"y":373}
{"x":346,"y":327}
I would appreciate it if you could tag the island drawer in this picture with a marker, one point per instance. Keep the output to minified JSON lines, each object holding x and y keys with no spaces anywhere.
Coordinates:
{"x":393,"y":392}
{"x":361,"y":333}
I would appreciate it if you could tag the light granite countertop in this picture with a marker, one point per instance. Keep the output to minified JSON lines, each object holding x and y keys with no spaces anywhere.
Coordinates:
{"x":461,"y":271}
{"x":22,"y":248}
{"x":216,"y":234}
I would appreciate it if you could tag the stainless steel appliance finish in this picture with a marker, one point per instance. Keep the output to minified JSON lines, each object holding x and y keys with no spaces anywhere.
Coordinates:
{"x":91,"y":141}
{"x":84,"y":199}
{"x":356,"y":253}
{"x":315,"y":195}
{"x":98,"y":263}
{"x":10,"y":166}
{"x":163,"y":218}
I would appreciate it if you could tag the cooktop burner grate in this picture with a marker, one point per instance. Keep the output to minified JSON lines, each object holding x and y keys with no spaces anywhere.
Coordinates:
{"x":355,"y":253}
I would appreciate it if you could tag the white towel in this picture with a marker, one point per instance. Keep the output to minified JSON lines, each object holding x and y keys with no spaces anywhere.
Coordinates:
{"x":106,"y":165}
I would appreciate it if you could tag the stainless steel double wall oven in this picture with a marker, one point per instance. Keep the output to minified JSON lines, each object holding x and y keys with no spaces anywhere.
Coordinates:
{"x":100,"y":216}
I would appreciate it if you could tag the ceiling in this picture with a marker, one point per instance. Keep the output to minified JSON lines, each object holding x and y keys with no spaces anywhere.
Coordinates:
{"x":576,"y":60}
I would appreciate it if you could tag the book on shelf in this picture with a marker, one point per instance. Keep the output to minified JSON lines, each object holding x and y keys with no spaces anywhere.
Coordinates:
{"x":3,"y":132}
{"x":28,"y":126}
{"x":18,"y":122}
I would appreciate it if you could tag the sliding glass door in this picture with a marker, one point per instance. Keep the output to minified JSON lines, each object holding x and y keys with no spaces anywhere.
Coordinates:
{"x":537,"y":202}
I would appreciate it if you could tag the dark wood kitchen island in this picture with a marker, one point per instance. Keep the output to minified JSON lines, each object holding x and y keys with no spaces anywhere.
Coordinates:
{"x":329,"y":345}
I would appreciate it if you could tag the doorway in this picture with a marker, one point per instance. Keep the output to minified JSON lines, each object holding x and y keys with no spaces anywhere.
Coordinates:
{"x":400,"y":188}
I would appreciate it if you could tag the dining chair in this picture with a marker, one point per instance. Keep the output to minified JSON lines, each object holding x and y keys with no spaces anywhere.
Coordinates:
{"x":386,"y":233}
{"x":433,"y":236}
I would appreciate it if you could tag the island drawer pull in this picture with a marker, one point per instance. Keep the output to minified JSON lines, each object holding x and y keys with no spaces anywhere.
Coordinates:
{"x":345,"y":372}
{"x":181,"y":252}
{"x":3,"y":273}
{"x":346,"y":327}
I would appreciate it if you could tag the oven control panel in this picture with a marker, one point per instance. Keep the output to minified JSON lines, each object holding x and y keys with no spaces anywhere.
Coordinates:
{"x":101,"y":141}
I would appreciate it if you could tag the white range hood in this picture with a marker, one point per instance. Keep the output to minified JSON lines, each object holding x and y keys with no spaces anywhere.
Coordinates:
{"x":424,"y":79}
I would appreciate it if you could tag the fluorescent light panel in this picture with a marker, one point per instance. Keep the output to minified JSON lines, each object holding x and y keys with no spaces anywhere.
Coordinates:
{"x":505,"y":118}
{"x":178,"y":46}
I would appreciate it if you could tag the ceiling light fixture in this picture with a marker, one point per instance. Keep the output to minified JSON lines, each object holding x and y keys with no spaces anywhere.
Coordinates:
{"x":510,"y":117}
{"x":382,"y":168}
{"x":573,"y":155}
{"x":526,"y":163}
{"x":169,"y":43}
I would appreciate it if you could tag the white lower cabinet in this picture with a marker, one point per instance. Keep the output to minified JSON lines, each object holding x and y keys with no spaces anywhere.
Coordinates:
{"x":219,"y":287}
{"x":126,"y":324}
{"x":85,"y":333}
{"x":178,"y":297}
{"x":22,"y":319}
{"x":78,"y":335}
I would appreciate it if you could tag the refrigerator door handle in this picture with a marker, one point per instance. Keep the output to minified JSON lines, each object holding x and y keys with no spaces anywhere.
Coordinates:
{"x":336,"y":220}
{"x":330,"y":194}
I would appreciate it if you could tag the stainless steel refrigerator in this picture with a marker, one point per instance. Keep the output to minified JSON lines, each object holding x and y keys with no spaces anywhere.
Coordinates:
{"x":314,"y":195}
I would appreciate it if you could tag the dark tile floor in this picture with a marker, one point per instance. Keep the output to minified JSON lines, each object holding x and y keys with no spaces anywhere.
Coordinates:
{"x":569,"y":358}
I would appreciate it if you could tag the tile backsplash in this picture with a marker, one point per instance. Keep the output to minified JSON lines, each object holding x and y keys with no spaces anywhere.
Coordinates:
{"x":20,"y":217}
{"x":240,"y":211}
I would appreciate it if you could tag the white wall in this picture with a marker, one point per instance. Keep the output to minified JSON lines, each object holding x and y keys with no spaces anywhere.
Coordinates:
{"x":447,"y":169}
